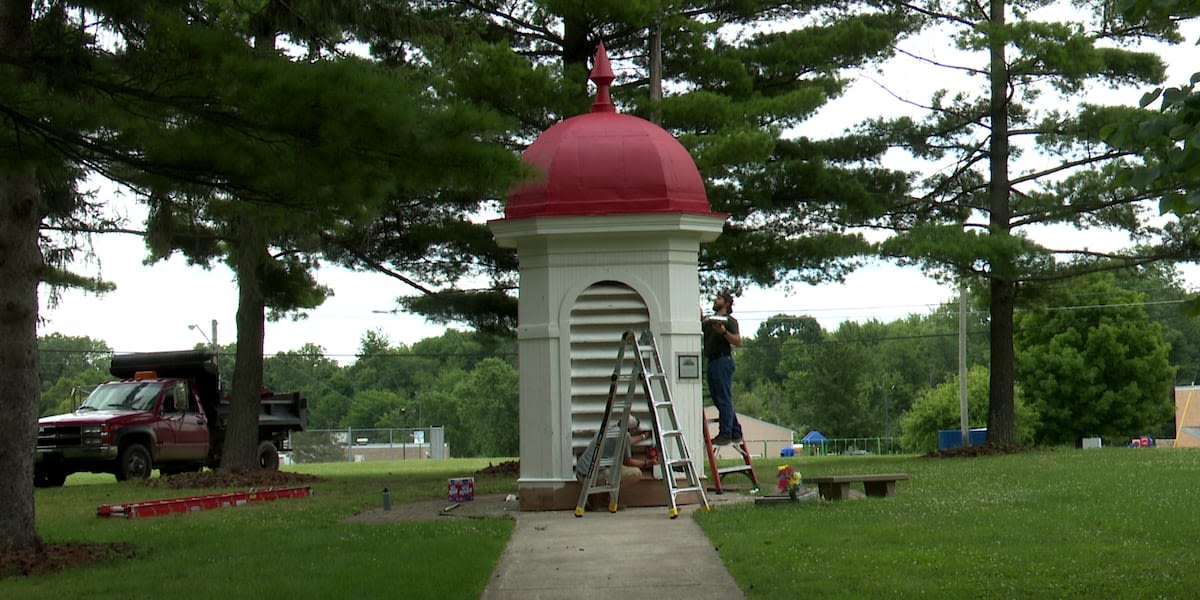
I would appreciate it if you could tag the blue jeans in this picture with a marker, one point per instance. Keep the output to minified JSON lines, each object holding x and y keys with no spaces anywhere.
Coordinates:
{"x":720,"y":387}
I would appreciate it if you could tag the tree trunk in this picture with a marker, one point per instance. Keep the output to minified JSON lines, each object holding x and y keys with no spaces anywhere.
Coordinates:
{"x":20,"y":270}
{"x":1001,"y":410}
{"x":251,"y":255}
{"x":578,"y":48}
{"x":241,"y":434}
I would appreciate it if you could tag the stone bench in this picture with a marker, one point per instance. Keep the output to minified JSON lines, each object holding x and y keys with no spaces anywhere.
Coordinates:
{"x":837,"y":487}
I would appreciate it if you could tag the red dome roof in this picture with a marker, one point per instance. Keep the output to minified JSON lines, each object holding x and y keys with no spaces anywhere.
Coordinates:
{"x":605,"y":163}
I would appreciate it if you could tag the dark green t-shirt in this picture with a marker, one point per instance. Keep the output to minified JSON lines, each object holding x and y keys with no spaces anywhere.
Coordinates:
{"x":714,"y":343}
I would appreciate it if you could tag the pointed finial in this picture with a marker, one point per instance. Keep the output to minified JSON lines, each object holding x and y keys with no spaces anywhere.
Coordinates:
{"x":602,"y":76}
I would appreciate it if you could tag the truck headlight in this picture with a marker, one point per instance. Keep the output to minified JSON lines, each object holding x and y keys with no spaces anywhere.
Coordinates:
{"x":95,"y":435}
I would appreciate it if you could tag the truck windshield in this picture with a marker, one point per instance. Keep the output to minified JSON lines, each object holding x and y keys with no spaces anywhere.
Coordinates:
{"x":134,"y":395}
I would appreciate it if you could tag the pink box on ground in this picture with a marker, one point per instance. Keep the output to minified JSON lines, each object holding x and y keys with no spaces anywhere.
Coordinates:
{"x":461,"y":489}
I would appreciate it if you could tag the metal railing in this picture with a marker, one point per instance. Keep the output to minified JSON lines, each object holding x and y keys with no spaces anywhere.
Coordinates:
{"x":830,"y":446}
{"x":423,"y":443}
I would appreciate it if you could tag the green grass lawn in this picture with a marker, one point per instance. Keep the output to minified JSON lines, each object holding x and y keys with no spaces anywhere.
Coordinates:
{"x":1110,"y":523}
{"x":292,"y":548}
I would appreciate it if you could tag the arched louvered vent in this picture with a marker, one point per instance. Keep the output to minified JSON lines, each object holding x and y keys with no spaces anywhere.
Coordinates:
{"x":601,"y":314}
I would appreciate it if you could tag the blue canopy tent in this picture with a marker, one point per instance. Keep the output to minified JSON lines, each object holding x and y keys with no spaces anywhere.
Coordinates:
{"x":813,"y":437}
{"x":814,"y":443}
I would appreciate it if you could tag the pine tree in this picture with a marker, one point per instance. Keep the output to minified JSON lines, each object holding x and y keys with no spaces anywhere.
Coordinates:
{"x":738,"y":81}
{"x":246,"y":152}
{"x":971,"y":220}
{"x":336,"y":138}
{"x":21,"y":263}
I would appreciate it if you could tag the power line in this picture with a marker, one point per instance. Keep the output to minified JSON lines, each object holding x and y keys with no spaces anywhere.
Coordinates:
{"x":805,"y":311}
{"x":774,"y":315}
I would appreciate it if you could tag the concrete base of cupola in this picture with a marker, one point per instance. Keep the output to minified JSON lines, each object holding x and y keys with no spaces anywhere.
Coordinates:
{"x":565,"y":496}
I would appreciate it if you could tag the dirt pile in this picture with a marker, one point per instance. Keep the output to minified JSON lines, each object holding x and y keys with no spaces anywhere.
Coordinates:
{"x":56,"y":557}
{"x":238,"y":479}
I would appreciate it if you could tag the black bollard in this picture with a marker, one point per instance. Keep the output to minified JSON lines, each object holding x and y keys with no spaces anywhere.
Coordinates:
{"x":387,"y":499}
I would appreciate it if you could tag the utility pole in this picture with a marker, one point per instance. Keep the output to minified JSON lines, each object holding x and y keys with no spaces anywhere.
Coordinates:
{"x":656,"y":72}
{"x":962,"y":363}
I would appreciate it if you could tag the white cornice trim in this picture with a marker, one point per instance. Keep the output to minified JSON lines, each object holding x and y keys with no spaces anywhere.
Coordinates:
{"x":705,"y":227}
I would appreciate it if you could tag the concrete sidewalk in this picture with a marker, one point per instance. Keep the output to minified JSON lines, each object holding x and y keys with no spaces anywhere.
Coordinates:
{"x":631,"y":554}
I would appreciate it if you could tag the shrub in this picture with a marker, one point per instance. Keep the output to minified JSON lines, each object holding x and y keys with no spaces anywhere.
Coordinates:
{"x":939,"y":408}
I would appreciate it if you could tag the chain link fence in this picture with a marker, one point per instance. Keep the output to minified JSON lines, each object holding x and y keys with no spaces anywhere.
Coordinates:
{"x":426,"y":443}
{"x":361,"y":445}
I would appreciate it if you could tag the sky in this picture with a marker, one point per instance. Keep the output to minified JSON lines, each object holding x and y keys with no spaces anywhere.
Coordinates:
{"x":171,"y":306}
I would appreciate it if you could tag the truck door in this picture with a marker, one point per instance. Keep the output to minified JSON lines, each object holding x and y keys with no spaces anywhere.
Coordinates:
{"x":189,"y":433}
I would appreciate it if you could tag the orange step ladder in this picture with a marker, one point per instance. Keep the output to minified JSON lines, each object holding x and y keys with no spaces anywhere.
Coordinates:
{"x":717,"y":473}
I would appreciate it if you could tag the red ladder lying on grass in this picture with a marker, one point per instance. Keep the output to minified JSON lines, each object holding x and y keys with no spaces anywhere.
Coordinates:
{"x":166,"y":506}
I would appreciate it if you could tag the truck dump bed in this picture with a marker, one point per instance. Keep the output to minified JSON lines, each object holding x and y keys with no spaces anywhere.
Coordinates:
{"x":192,"y":364}
{"x":197,"y":365}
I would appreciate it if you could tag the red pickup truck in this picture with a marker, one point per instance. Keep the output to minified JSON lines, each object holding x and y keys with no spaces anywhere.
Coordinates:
{"x":166,"y":412}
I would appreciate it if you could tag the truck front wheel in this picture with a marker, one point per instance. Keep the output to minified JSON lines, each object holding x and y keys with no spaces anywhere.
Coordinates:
{"x":268,"y":456}
{"x":134,"y":462}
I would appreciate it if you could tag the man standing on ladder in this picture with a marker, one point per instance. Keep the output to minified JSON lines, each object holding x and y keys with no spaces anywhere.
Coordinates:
{"x":720,"y":335}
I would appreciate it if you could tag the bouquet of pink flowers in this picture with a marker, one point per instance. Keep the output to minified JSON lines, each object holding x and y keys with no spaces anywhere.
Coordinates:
{"x":789,"y":480}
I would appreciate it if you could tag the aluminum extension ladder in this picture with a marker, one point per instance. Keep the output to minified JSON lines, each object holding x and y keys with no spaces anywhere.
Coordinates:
{"x":674,"y":457}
